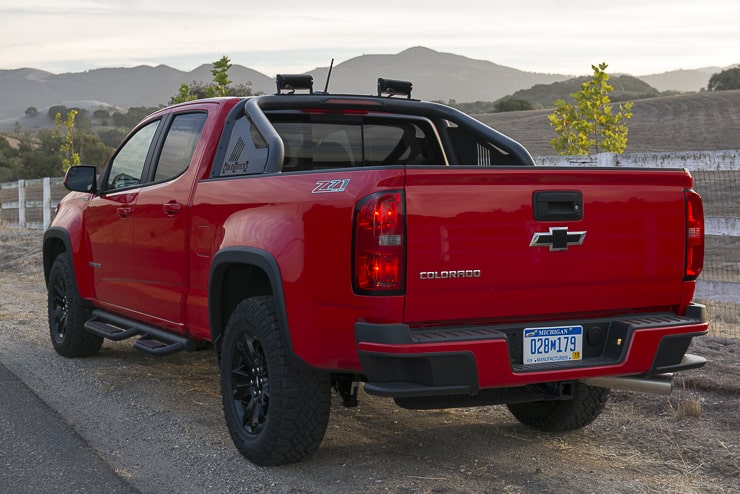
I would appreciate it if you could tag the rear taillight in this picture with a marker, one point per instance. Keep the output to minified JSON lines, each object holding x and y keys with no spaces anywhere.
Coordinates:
{"x":694,"y":236}
{"x":379,"y":244}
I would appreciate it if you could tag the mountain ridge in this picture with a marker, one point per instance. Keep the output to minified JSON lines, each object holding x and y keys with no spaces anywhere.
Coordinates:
{"x":436,"y":76}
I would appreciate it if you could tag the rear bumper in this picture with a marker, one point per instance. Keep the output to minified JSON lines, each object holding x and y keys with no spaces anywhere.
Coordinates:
{"x":400,"y":362}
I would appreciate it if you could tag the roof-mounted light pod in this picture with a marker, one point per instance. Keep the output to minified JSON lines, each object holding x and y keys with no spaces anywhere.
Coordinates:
{"x":290,"y":83}
{"x":393,"y":87}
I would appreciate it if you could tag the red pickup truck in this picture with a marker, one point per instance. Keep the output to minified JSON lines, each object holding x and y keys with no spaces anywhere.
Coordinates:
{"x":319,"y":241}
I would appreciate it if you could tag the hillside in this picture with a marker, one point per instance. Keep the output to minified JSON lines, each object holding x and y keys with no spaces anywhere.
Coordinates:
{"x":682,"y":80}
{"x":121,"y":87}
{"x":436,"y":76}
{"x":625,"y":87}
{"x":690,"y":122}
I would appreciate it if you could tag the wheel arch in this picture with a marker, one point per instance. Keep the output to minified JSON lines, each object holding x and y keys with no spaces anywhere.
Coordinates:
{"x":238,"y":273}
{"x":56,"y":241}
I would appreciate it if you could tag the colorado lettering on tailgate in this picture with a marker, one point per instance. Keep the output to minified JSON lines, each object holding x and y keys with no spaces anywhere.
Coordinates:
{"x":443,"y":275}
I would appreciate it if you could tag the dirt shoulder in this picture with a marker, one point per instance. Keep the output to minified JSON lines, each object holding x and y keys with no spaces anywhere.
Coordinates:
{"x":159,"y":424}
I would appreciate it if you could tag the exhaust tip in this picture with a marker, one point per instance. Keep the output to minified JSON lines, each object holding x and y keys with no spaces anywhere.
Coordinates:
{"x":661,"y":384}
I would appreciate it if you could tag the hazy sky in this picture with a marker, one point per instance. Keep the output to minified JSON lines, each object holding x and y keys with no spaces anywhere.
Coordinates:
{"x":633,"y":36}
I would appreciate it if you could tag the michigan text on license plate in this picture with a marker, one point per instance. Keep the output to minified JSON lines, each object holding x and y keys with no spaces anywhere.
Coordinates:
{"x":555,"y":344}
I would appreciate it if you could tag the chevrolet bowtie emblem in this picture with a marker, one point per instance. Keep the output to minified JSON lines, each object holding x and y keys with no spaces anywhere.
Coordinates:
{"x":558,"y":238}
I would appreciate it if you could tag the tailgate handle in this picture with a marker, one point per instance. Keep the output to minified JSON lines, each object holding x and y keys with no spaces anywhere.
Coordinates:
{"x":557,"y":205}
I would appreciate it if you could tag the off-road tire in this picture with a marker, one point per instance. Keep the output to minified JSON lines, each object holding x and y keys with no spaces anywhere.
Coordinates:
{"x":276,"y":408}
{"x":68,"y":313}
{"x":563,"y":415}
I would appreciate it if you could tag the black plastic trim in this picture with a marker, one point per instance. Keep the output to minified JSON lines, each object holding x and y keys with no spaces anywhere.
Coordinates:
{"x":428,"y":374}
{"x":56,"y":233}
{"x":249,"y":256}
{"x":388,"y":334}
{"x":671,"y":355}
{"x":234,"y":114}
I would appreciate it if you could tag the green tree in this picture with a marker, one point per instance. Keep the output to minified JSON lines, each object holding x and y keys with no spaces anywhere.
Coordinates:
{"x":112,"y":137}
{"x":132,"y":116}
{"x":9,"y":161}
{"x":39,"y":155}
{"x":218,"y":87}
{"x":92,"y":150}
{"x":65,"y":132}
{"x":61,"y":109}
{"x":184,"y":94}
{"x":512,"y":104}
{"x":241,"y":90}
{"x":82,"y":119}
{"x":220,"y":73}
{"x":101,"y":114}
{"x":590,"y":124}
{"x":725,"y":80}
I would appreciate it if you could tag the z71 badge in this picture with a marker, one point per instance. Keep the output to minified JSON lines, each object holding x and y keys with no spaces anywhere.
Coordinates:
{"x":336,"y":185}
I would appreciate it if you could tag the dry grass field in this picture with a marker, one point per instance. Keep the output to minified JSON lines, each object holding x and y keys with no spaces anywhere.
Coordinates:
{"x":690,"y":122}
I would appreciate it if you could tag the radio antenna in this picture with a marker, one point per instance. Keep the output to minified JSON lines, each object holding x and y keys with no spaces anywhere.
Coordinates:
{"x":328,"y":76}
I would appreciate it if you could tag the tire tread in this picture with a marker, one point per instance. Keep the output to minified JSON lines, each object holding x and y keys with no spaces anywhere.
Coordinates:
{"x":76,"y":341}
{"x":563,"y":415}
{"x":300,"y":403}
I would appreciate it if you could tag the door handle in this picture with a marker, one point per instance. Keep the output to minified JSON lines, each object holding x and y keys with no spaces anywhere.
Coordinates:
{"x":558,"y":205}
{"x":123,"y":211}
{"x":171,"y":208}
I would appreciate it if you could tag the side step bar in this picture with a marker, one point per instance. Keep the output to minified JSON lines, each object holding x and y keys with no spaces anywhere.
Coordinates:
{"x":153,"y":341}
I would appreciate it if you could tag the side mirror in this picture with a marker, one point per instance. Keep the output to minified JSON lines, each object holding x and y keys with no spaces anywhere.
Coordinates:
{"x":81,"y":179}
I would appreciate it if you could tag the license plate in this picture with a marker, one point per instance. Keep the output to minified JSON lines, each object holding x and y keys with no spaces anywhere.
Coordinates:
{"x":556,"y":344}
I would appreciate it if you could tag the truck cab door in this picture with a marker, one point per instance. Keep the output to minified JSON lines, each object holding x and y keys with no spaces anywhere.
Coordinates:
{"x":162,"y":221}
{"x":109,"y":220}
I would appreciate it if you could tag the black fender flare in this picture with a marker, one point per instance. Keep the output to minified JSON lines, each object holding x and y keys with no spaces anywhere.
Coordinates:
{"x":50,"y":236}
{"x":247,"y":256}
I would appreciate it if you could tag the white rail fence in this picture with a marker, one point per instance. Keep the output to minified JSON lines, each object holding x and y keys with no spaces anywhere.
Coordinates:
{"x":30,"y":203}
{"x":715,"y":164}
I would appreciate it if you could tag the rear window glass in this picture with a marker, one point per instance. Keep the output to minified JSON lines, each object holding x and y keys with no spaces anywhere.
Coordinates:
{"x":315,"y":145}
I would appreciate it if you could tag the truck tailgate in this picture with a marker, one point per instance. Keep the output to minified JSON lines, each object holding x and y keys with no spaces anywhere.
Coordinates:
{"x":478,"y":252}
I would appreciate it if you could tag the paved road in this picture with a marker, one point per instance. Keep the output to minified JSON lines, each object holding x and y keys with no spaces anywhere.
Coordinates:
{"x":39,"y":453}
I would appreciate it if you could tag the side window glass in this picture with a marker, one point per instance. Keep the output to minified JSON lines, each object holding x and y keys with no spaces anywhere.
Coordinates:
{"x":246,"y":152}
{"x":179,"y":145}
{"x":127,"y":166}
